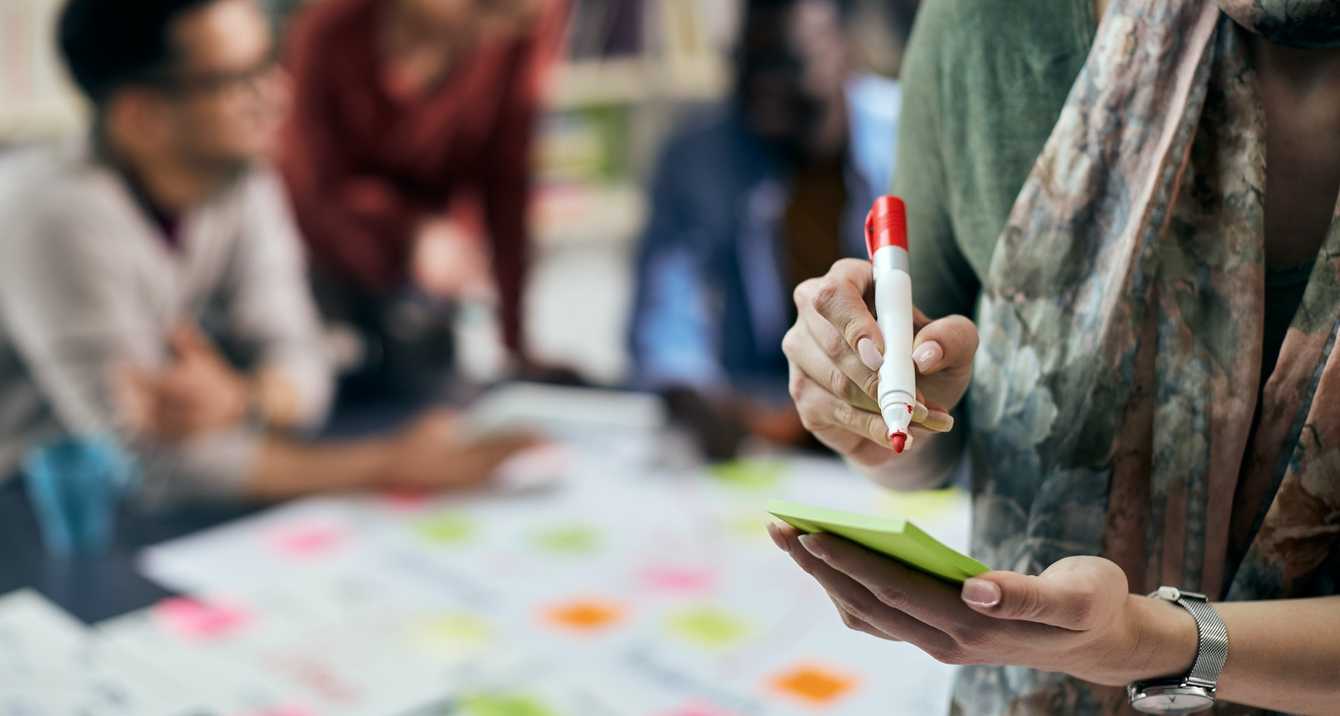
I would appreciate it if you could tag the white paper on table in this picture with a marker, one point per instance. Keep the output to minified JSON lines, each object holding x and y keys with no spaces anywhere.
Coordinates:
{"x":51,"y":664}
{"x":361,"y":582}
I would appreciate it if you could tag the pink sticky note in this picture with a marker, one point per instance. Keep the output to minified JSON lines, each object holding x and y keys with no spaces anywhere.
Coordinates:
{"x":195,"y":620}
{"x":307,"y":540}
{"x":683,"y":580}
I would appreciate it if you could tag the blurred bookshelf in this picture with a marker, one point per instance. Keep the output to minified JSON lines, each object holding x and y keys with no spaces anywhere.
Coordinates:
{"x":37,"y":102}
{"x":631,"y":69}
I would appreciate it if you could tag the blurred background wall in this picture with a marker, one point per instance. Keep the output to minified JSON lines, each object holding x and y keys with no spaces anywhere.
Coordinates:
{"x":631,"y":69}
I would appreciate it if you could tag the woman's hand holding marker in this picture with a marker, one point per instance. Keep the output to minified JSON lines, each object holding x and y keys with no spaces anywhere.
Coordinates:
{"x":835,"y":354}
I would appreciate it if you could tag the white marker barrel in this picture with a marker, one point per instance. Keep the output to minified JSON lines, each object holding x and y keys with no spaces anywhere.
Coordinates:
{"x":893,"y":301}
{"x":886,"y":239}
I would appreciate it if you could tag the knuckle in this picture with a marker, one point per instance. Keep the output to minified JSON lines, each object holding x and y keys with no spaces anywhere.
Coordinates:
{"x":850,"y":621}
{"x":852,"y":332}
{"x":967,"y":638}
{"x":833,"y":345}
{"x":852,"y":268}
{"x":837,"y":381}
{"x":804,"y":293}
{"x":1028,"y":605}
{"x":811,"y":417}
{"x":806,"y":417}
{"x":790,"y":342}
{"x":891,"y":596}
{"x":870,"y":386}
{"x":843,"y":414}
{"x":1081,"y":613}
{"x":864,"y":607}
{"x":826,"y":295}
{"x":949,"y":655}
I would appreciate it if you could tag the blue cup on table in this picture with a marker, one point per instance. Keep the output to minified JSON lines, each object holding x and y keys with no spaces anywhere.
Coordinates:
{"x":76,"y":485}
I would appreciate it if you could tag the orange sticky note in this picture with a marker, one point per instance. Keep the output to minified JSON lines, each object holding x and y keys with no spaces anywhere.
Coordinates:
{"x":814,"y":685}
{"x":584,"y":615}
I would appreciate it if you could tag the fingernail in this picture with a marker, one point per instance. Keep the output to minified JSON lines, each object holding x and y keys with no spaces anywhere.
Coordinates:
{"x":869,"y":354}
{"x":927,"y":355}
{"x":776,"y":536}
{"x":812,"y":545}
{"x":981,"y":593}
{"x":920,"y":413}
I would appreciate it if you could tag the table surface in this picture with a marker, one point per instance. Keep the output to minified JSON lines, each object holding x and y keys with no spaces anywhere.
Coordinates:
{"x":97,"y":588}
{"x":94,"y":588}
{"x":638,"y":585}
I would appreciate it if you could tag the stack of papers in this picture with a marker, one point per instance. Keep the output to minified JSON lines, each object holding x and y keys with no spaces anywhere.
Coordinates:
{"x":51,"y":665}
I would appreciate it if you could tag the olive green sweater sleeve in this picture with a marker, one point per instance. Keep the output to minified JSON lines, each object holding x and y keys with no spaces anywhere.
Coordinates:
{"x":943,"y":282}
{"x":984,"y":82}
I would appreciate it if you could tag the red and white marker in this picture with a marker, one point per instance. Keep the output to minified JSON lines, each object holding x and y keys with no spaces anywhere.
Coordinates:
{"x":886,"y":238}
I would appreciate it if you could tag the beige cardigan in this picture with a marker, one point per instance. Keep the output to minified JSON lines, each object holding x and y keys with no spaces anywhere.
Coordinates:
{"x":87,"y":283}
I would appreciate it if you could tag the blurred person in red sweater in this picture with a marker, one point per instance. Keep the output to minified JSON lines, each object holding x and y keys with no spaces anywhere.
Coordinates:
{"x":409,"y":114}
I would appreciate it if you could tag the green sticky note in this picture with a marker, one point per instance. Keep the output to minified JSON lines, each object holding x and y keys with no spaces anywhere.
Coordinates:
{"x":707,"y":626}
{"x":569,"y":539}
{"x":459,"y":628}
{"x":446,"y":528}
{"x":504,"y":705}
{"x":892,"y":536}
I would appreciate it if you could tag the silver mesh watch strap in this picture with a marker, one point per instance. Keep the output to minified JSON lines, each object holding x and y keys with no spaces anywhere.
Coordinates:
{"x":1212,"y":645}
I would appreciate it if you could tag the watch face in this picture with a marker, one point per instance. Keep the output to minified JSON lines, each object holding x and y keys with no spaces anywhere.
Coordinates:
{"x":1172,"y":701}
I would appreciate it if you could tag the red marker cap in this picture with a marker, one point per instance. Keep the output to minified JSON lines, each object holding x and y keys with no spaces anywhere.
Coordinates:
{"x":886,"y":224}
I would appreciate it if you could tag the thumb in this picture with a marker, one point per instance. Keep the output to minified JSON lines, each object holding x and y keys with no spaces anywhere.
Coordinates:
{"x":945,"y":344}
{"x":1019,"y":597}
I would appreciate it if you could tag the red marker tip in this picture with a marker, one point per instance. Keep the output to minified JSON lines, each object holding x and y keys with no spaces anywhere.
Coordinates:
{"x":899,"y":441}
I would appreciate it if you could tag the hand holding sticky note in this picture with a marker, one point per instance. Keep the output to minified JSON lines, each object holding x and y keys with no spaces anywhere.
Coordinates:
{"x":891,"y":536}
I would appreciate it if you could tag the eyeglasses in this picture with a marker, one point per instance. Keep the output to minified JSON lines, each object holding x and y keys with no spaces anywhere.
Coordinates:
{"x":212,"y":82}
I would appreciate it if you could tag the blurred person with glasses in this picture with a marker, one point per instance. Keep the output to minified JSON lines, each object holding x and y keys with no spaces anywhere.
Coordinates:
{"x":152,"y":284}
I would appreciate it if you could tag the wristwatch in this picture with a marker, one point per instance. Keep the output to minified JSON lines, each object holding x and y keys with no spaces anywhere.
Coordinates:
{"x":1194,"y":691}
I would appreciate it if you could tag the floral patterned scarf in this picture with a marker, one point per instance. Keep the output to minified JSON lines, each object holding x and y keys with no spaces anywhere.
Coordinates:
{"x":1115,"y":401}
